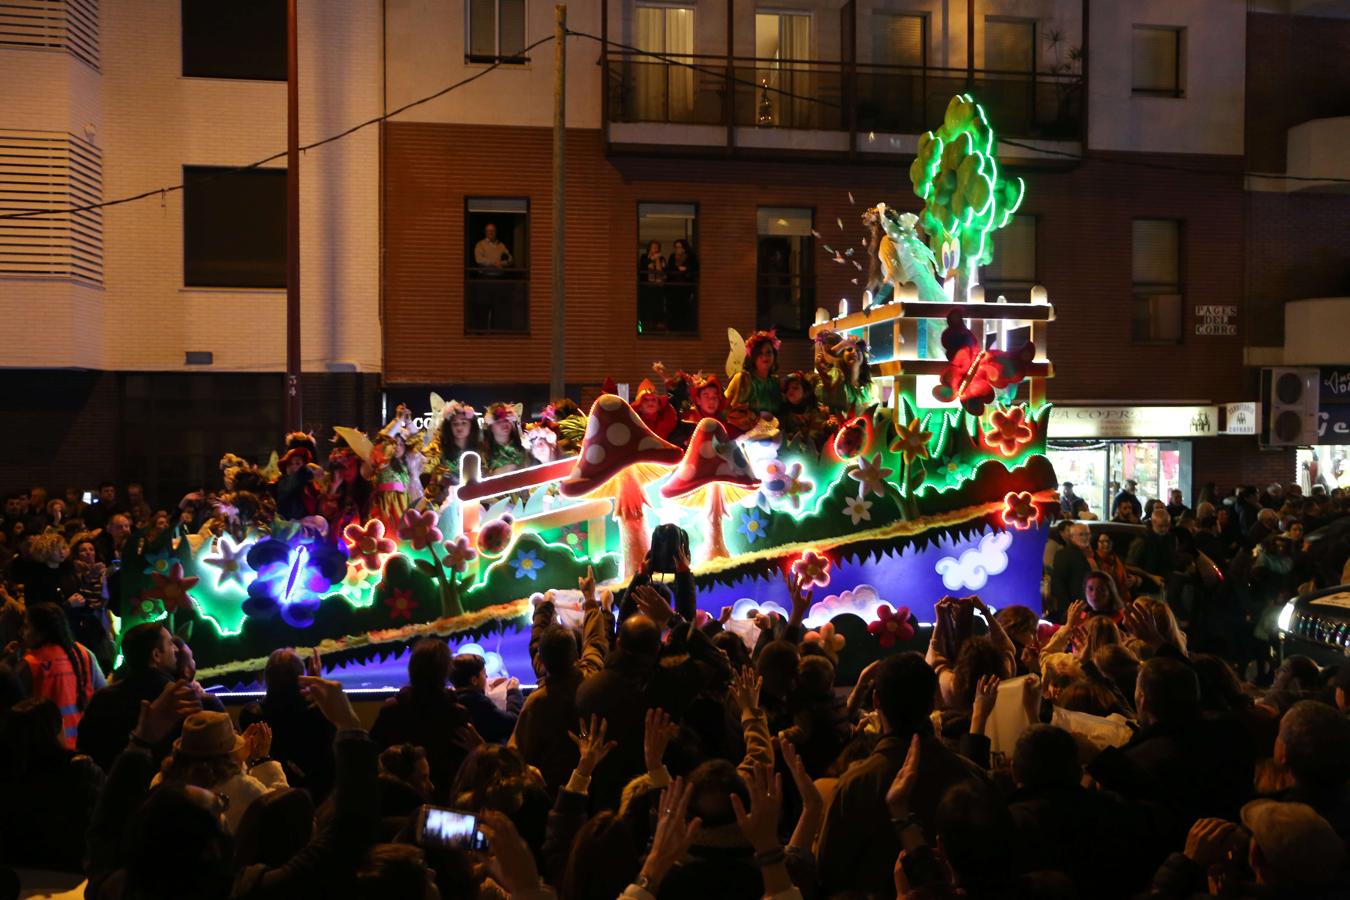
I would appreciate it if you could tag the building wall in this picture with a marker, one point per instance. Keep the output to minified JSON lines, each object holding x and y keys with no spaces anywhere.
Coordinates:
{"x":1084,"y":258}
{"x":149,"y":121}
{"x":1299,"y":248}
{"x":1208,"y":119}
{"x":1298,"y":70}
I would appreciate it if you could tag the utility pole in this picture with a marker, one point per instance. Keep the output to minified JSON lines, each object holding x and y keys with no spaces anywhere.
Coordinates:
{"x":558,"y":367}
{"x":294,"y":410}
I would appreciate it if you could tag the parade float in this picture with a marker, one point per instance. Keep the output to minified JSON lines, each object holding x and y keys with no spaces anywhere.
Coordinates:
{"x":931,"y":480}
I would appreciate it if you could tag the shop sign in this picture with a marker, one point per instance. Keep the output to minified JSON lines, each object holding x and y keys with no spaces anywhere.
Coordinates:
{"x":1335,"y":385}
{"x":1216,"y":320}
{"x":1333,"y":424}
{"x":1241,"y":418}
{"x":1133,"y":421}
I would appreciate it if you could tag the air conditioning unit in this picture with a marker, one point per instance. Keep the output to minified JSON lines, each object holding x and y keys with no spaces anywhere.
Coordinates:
{"x":1289,"y":407}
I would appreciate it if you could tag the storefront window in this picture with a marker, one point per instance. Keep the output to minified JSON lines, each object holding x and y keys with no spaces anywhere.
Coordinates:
{"x":1327,"y":465}
{"x":1098,"y":469}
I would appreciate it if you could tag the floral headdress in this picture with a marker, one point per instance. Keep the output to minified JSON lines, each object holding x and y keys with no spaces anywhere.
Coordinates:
{"x":703,"y":380}
{"x":536,"y":431}
{"x":456,"y":410}
{"x":754,"y":341}
{"x":834,"y":342}
{"x":502,"y":412}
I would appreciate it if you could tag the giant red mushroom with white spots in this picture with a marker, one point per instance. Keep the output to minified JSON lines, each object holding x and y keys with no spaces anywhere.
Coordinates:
{"x":712,"y":473}
{"x":619,"y":455}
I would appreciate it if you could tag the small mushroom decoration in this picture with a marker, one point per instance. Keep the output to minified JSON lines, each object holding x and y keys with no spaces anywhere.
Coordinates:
{"x":712,"y":473}
{"x":620,"y":454}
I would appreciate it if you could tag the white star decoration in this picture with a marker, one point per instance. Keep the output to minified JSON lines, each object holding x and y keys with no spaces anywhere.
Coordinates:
{"x":870,"y":475}
{"x":229,"y":559}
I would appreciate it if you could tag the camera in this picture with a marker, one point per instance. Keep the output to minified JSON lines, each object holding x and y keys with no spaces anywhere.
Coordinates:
{"x":667,"y":542}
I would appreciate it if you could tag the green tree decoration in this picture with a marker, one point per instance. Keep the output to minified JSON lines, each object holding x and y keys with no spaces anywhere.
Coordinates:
{"x":955,"y":172}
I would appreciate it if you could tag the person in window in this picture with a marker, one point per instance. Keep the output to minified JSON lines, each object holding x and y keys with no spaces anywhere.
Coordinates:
{"x":681,"y":276}
{"x":651,"y":294}
{"x":490,"y":254}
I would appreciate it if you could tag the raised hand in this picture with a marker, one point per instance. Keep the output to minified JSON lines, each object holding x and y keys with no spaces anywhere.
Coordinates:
{"x":745,"y":686}
{"x":653,"y":605}
{"x":673,"y":834}
{"x":592,"y":744}
{"x":902,"y":786}
{"x":658,"y":732}
{"x":314,"y":665}
{"x":986,"y":693}
{"x":258,"y":739}
{"x":160,"y":716}
{"x":760,"y":824}
{"x":801,"y":600}
{"x":512,"y":862}
{"x":586,"y":585}
{"x":329,"y":697}
{"x":725,"y":616}
{"x":1139,"y":622}
{"x":813,"y":805}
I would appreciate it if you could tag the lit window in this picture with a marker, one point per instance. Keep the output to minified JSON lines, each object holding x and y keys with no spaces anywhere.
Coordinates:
{"x":667,"y":269}
{"x":496,"y":265}
{"x":786,"y":274}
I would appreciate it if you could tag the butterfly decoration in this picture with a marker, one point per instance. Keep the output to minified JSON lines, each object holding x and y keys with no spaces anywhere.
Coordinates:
{"x":736,"y":356}
{"x":973,"y":374}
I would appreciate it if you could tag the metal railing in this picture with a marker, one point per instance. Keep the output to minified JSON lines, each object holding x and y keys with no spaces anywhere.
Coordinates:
{"x":833,"y":95}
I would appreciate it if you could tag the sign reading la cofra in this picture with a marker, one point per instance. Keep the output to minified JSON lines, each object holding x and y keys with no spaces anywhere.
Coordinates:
{"x":1133,"y":421}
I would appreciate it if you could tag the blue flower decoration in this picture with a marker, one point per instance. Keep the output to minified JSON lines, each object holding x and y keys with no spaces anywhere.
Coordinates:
{"x":527,"y":564}
{"x":159,"y":561}
{"x":753,"y":525}
{"x":292,"y":578}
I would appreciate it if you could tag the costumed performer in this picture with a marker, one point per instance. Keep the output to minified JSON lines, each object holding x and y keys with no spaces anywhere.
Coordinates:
{"x":755,"y":387}
{"x":567,"y":419}
{"x":655,"y":410}
{"x":390,"y":473}
{"x":803,"y":418}
{"x":540,"y":442}
{"x":348,"y":497}
{"x":504,"y":450}
{"x":845,"y":376}
{"x":457,"y":434}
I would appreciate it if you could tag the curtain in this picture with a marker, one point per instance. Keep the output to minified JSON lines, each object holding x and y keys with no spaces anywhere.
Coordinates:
{"x":663,"y":91}
{"x":680,"y":42}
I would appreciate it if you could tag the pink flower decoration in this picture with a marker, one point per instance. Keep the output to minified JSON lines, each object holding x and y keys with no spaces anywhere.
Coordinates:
{"x":459,"y":553}
{"x":172,"y":589}
{"x":1020,"y":510}
{"x":812,"y":570}
{"x":401,"y":604}
{"x":369,"y":542}
{"x":826,"y":637}
{"x":419,"y":527}
{"x":1010,"y":430}
{"x":892,"y":625}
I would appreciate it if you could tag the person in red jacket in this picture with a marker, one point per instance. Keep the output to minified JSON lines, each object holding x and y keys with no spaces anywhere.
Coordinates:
{"x":57,"y":668}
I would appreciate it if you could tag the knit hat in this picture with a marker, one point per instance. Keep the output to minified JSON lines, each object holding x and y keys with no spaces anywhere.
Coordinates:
{"x":208,"y":734}
{"x":1299,"y":846}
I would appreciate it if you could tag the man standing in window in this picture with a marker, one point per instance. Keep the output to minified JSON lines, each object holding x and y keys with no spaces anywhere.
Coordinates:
{"x":491,"y":254}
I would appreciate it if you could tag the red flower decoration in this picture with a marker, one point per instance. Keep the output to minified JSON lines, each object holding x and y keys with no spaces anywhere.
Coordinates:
{"x":419,"y":527}
{"x":1010,"y":430}
{"x":891,"y":625}
{"x":401,"y":604}
{"x":172,"y":589}
{"x":1020,"y":510}
{"x":369,"y":542}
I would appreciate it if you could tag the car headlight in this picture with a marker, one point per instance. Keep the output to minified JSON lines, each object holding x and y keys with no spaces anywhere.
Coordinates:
{"x":1286,"y":616}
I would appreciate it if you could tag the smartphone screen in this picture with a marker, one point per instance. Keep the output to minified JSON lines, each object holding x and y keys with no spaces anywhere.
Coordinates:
{"x":87,"y":497}
{"x":441,"y":827}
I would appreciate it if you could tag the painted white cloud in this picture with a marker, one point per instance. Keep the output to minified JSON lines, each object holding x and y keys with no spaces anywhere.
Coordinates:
{"x":971,"y":570}
{"x":862,"y":601}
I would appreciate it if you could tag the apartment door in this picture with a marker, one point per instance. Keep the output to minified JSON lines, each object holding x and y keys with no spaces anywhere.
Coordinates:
{"x":1009,"y":80}
{"x":783,"y":51}
{"x":663,"y":90}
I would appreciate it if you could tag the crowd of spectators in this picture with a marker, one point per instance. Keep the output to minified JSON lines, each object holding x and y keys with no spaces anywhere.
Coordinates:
{"x":1145,"y":744}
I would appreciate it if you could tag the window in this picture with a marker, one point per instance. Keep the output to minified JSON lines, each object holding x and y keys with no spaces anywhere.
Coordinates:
{"x":663,"y":91}
{"x":1009,"y":45}
{"x":1013,"y":270}
{"x":783,"y":51}
{"x":786,"y":274}
{"x":899,"y":40}
{"x":1157,"y":61}
{"x":1156,"y":316}
{"x":496,"y":31}
{"x":234,"y":227}
{"x":667,"y":269}
{"x":237,"y":39}
{"x":496,"y":265}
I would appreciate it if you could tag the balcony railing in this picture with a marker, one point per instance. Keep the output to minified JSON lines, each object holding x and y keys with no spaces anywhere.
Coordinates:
{"x":833,"y":96}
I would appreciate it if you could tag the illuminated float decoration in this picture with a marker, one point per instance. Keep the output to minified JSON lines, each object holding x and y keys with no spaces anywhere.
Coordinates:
{"x":938,"y":483}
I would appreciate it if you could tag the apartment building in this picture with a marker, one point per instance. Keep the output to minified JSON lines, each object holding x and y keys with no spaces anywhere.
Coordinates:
{"x":143,"y":340}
